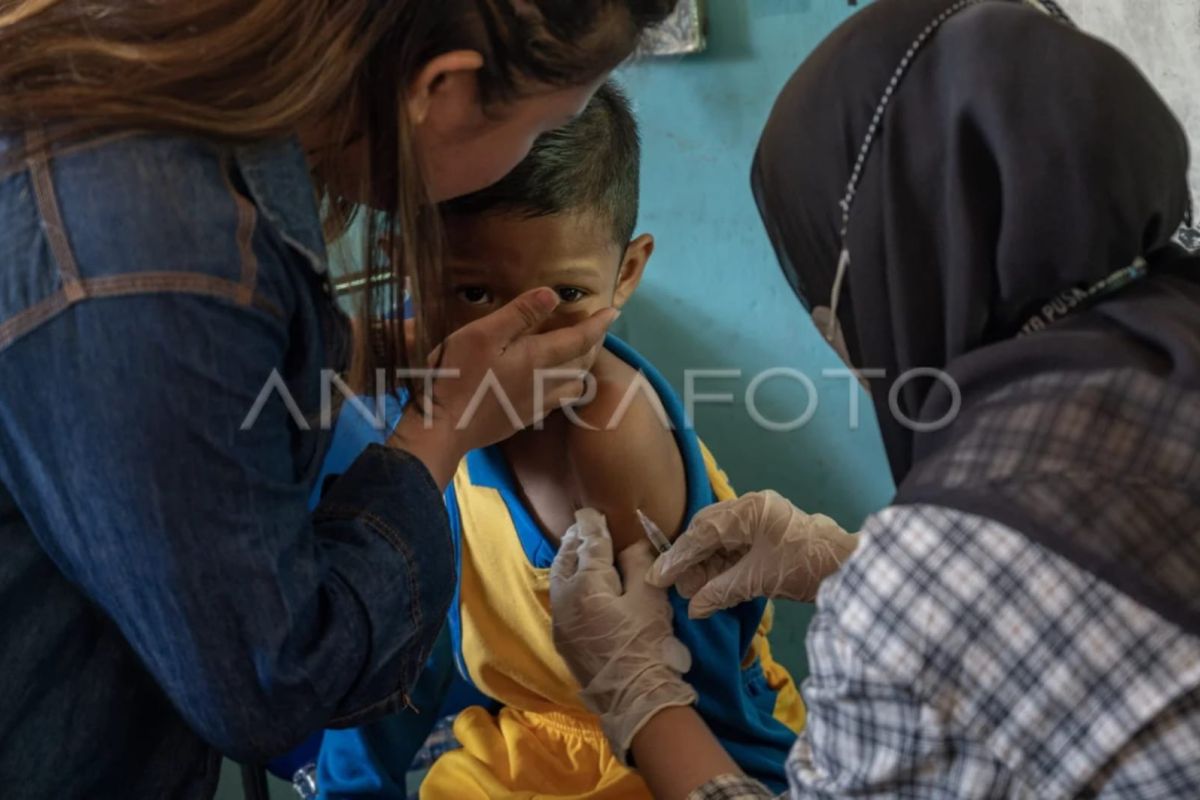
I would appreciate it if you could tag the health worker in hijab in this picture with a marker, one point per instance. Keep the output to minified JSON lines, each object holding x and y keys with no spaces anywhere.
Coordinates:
{"x":981,"y":190}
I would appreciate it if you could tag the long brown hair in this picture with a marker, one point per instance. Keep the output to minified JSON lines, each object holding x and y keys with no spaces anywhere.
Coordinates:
{"x":244,"y":70}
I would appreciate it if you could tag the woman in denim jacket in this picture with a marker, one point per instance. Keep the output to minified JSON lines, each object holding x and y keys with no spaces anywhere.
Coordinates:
{"x":170,"y":345}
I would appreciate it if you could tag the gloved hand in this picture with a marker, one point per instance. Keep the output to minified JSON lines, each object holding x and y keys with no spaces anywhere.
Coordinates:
{"x":759,"y":545}
{"x":618,"y":644}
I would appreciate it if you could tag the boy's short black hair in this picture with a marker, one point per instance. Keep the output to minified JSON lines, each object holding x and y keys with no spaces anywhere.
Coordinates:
{"x":591,"y":164}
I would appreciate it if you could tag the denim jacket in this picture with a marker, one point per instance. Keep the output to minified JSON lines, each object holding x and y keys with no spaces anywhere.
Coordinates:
{"x":165,"y":593}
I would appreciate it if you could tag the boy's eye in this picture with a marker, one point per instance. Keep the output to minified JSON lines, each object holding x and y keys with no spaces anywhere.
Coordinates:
{"x":474,"y":295}
{"x":569,"y":294}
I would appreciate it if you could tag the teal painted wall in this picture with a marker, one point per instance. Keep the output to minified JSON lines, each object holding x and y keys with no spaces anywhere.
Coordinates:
{"x":713,"y":296}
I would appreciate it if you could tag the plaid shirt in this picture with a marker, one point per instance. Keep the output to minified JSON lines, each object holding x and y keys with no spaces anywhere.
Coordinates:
{"x":953,"y":658}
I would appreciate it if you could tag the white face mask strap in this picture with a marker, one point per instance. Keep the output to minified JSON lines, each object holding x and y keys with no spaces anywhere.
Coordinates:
{"x":847,"y":201}
{"x":831,"y":330}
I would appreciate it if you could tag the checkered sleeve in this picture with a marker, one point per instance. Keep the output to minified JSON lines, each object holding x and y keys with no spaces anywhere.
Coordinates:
{"x":1161,"y":761}
{"x":731,"y":787}
{"x":952,"y":657}
{"x":869,"y":734}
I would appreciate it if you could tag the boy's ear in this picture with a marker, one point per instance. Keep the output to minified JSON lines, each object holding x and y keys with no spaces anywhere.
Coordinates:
{"x":446,"y":88}
{"x":633,"y":267}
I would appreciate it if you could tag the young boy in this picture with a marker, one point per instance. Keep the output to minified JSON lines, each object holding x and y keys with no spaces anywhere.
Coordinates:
{"x":565,"y":219}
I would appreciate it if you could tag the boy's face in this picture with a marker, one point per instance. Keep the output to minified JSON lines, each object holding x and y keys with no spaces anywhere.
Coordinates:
{"x":494,"y":258}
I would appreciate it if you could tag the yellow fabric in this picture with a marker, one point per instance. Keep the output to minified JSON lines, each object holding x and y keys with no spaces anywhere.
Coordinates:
{"x":722,"y":488}
{"x":789,"y":705}
{"x":504,"y":601}
{"x":543,"y":737}
{"x":504,"y":756}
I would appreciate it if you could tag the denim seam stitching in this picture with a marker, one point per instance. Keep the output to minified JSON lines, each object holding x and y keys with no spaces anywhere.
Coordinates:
{"x":392,"y":537}
{"x":75,"y":289}
{"x":42,"y":179}
{"x":30,"y":318}
{"x":129,"y":285}
{"x":393,"y":702}
{"x":247,"y":221}
{"x":423,"y":473}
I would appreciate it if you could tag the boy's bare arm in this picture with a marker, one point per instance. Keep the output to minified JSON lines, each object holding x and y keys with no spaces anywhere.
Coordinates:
{"x":632,"y":462}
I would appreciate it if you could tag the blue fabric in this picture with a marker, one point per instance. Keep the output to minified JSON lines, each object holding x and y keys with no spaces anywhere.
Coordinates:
{"x":454,"y":620}
{"x":360,"y":424}
{"x":166,"y":592}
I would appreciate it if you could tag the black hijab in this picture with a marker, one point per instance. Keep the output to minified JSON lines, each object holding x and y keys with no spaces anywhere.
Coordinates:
{"x":1012,"y":227}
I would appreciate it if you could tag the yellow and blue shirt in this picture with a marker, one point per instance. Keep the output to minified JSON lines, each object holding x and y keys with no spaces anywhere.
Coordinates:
{"x":542,"y":742}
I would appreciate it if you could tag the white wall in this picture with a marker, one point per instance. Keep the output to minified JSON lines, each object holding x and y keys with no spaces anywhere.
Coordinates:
{"x":1163,"y":37}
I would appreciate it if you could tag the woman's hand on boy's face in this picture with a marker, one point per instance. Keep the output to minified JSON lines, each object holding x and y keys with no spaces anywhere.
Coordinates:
{"x":508,"y":376}
{"x":498,"y":377}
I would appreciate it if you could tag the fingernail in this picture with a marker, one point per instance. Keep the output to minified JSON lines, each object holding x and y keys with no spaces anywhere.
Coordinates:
{"x":547,"y":299}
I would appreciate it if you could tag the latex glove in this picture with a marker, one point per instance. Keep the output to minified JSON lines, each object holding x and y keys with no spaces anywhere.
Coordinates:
{"x":759,"y":545}
{"x":618,"y":643}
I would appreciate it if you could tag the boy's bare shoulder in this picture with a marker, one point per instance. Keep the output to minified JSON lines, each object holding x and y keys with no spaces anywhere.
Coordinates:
{"x":625,"y":457}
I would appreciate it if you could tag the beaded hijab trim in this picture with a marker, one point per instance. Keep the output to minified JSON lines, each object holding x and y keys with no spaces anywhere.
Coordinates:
{"x":847,"y":202}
